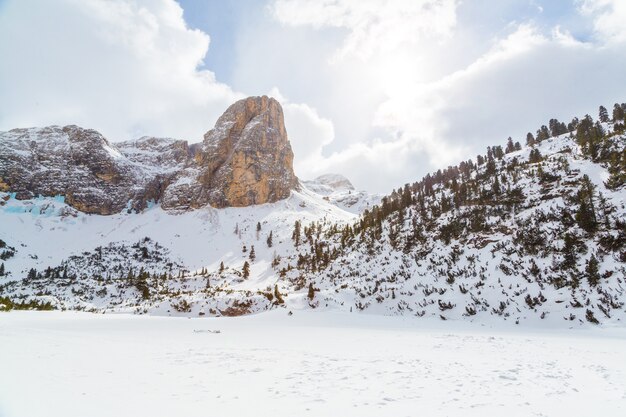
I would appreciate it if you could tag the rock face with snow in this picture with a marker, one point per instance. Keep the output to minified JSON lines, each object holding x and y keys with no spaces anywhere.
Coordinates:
{"x":246,"y":159}
{"x":79,"y":164}
{"x":335,"y":182}
{"x":339,"y":191}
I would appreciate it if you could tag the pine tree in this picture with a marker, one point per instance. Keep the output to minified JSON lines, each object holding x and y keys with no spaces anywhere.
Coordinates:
{"x":490,"y":169}
{"x":246,"y":270}
{"x":510,"y":146}
{"x":535,"y":156}
{"x":32,"y":274}
{"x":569,"y":251}
{"x":586,"y":214}
{"x":270,"y":239}
{"x":311,"y":293}
{"x":530,"y":139}
{"x":585,"y":217}
{"x":296,"y":232}
{"x":252,"y":253}
{"x":618,"y":113}
{"x":258,"y":226}
{"x":2,"y":269}
{"x":604,"y":114}
{"x":593,"y":274}
{"x":221,"y":267}
{"x":542,"y":134}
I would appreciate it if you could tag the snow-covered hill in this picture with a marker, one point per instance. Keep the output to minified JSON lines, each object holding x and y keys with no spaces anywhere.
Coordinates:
{"x":84,"y":261}
{"x":534,"y":234}
{"x":338,"y":190}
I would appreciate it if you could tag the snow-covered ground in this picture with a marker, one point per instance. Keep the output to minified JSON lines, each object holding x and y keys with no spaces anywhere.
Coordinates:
{"x":307,"y":364}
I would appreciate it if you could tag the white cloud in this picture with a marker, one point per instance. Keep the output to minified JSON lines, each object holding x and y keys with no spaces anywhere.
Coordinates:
{"x":127,"y":68}
{"x":381,"y":91}
{"x":373,"y":25}
{"x":308,"y":134}
{"x":435,"y":112}
{"x":609,"y":17}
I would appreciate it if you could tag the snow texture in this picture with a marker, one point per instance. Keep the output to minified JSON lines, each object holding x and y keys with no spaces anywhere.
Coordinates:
{"x":307,"y":364}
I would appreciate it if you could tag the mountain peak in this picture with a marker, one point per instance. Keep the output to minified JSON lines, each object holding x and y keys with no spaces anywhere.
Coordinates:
{"x":245,"y":159}
{"x":335,"y":181}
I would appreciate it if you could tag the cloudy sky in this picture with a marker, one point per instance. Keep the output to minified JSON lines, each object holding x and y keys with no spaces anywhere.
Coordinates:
{"x":382,"y":91}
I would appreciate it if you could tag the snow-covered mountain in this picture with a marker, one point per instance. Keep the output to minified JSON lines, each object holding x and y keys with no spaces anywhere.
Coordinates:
{"x":530,"y":233}
{"x":338,"y":190}
{"x":245,"y":159}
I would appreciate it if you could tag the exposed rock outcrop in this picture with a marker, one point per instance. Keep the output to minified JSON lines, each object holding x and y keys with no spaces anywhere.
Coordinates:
{"x":246,"y":159}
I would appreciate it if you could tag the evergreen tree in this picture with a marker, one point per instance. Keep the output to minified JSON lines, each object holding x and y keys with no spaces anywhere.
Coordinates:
{"x":245,"y":272}
{"x":535,"y":156}
{"x":252,"y":253}
{"x":530,"y":140}
{"x":490,"y":168}
{"x":270,"y":239}
{"x":586,"y":214}
{"x":569,"y":251}
{"x":32,"y":274}
{"x":311,"y":293}
{"x":510,"y":146}
{"x":221,"y":267}
{"x":2,"y":269}
{"x":603,"y":114}
{"x":618,"y":113}
{"x":593,"y":274}
{"x":542,"y":134}
{"x":258,"y":226}
{"x":296,"y":232}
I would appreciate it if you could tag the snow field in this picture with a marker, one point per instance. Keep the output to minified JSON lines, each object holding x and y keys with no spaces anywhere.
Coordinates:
{"x":308,"y":364}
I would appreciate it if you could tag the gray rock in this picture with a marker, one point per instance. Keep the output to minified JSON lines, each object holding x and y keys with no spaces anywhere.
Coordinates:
{"x":246,"y":159}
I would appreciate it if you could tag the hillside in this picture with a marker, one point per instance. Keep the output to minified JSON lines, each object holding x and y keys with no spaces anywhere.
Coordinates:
{"x":523,"y":234}
{"x":528,"y":233}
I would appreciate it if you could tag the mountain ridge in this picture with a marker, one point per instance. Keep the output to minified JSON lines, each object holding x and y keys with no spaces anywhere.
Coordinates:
{"x":531,"y":233}
{"x":245,"y":159}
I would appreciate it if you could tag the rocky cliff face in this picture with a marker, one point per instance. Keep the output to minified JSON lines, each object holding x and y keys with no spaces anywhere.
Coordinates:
{"x":246,"y":159}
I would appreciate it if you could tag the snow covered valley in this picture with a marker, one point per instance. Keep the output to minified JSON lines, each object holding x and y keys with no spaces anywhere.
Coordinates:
{"x":305,"y":364}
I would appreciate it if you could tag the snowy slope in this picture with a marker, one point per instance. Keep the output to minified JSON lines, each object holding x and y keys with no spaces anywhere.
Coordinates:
{"x":474,"y":262}
{"x":47,"y":233}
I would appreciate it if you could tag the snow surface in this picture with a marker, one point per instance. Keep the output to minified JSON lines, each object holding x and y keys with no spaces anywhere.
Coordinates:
{"x":44,"y":235}
{"x":308,"y":364}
